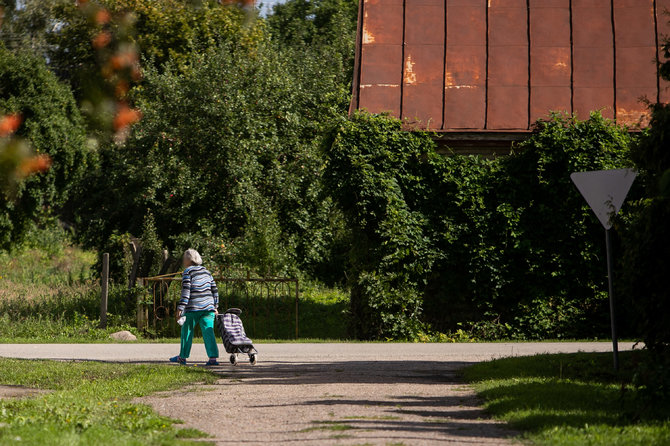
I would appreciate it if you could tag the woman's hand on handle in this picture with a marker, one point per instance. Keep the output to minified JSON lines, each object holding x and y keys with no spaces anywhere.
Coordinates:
{"x":179,"y":314}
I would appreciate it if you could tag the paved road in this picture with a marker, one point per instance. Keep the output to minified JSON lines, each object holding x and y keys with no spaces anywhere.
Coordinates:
{"x":459,"y":353}
{"x":328,"y":394}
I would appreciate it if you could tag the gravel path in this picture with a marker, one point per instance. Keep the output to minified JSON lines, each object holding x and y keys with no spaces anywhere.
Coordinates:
{"x":323,"y":394}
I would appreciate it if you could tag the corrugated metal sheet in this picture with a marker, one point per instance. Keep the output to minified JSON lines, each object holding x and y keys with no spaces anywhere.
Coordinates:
{"x":499,"y":65}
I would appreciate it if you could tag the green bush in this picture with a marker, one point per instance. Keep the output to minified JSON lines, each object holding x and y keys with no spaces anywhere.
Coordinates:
{"x":371,"y":163}
{"x":53,"y":126}
{"x":456,"y":239}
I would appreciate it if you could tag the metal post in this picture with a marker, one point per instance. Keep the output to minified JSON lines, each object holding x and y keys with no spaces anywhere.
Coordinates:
{"x":104,"y":279}
{"x":297,"y":295}
{"x":615,"y":342}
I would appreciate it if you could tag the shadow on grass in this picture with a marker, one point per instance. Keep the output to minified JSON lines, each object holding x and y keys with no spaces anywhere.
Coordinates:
{"x":547,"y":392}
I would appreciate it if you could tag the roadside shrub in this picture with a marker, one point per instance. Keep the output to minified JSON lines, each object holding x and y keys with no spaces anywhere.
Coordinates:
{"x":459,"y":239}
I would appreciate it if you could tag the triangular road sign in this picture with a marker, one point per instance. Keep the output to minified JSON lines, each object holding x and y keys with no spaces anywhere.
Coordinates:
{"x":605,"y":191}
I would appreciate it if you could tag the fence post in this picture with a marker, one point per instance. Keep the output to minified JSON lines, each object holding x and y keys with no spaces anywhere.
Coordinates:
{"x":105,"y":290}
{"x":141,"y":319}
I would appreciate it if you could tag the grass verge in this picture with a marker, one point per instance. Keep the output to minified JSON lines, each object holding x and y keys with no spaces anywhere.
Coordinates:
{"x":90,"y":403}
{"x":568,"y":399}
{"x":52,"y":296}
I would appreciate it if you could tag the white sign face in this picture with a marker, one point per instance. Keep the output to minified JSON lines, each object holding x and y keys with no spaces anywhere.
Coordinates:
{"x":605,"y":191}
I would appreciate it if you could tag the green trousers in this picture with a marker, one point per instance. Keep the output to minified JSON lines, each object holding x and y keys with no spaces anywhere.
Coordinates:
{"x":206,"y":321}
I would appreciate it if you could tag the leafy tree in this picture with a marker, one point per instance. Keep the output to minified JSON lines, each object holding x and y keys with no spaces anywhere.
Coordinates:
{"x":27,"y":27}
{"x":53,"y":126}
{"x":162,"y":29}
{"x":316,"y":22}
{"x":227,"y":153}
{"x":320,"y":29}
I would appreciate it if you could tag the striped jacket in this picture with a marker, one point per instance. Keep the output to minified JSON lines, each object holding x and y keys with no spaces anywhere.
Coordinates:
{"x":198,"y":290}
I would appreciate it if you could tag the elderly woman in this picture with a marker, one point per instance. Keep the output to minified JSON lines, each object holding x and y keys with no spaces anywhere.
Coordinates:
{"x":199,"y":304}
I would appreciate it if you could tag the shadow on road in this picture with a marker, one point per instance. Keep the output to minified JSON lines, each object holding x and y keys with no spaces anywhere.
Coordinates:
{"x":342,"y":372}
{"x":324,"y":401}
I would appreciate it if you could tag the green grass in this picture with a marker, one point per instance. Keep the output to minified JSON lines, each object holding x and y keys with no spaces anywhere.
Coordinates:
{"x":49,"y":294}
{"x":568,"y":399}
{"x":90,"y":403}
{"x":376,"y":417}
{"x":268,"y":312}
{"x":328,"y":426}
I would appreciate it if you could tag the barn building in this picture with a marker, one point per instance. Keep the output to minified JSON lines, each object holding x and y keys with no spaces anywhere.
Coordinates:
{"x":481,"y":72}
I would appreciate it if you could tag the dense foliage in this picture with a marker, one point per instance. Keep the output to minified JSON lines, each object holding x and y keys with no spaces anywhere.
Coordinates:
{"x":646,"y":242}
{"x":229,"y":162}
{"x":245,"y":153}
{"x":53,"y":125}
{"x":321,"y":29}
{"x":507,"y":244}
{"x":164,"y":30}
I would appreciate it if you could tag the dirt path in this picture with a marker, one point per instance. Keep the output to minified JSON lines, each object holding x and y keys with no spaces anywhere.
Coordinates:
{"x":8,"y":392}
{"x":342,"y":402}
{"x":350,"y":394}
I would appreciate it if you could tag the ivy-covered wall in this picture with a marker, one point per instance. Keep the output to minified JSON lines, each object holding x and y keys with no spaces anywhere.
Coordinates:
{"x":503,"y":247}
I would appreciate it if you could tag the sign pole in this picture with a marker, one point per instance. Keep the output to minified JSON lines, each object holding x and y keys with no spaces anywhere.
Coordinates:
{"x":615,"y":341}
{"x":605,"y":191}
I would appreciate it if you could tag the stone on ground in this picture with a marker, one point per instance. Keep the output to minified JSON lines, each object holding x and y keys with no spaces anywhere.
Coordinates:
{"x":124,"y":335}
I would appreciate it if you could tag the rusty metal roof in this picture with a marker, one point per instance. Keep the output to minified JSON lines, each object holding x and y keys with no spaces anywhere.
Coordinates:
{"x":496,"y":65}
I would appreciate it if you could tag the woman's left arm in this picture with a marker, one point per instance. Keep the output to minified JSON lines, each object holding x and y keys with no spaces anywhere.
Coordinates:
{"x":185,"y":293}
{"x":215,"y":293}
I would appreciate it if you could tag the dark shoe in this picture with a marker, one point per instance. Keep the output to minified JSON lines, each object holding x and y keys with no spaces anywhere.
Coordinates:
{"x":212,"y":361}
{"x":178,"y":359}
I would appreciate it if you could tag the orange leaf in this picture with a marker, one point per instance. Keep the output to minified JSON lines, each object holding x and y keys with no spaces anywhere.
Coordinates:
{"x":124,"y":59}
{"x":126,"y":116}
{"x":101,"y":40}
{"x":102,"y":17}
{"x":36,"y":164}
{"x":9,"y":124}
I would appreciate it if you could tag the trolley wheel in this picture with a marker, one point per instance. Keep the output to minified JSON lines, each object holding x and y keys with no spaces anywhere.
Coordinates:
{"x":252,"y":359}
{"x":233,"y":359}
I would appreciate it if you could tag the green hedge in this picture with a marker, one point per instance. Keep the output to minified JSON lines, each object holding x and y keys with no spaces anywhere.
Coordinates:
{"x":502,"y":247}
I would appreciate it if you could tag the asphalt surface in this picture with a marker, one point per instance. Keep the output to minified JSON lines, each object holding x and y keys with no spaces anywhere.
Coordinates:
{"x":460,"y":353}
{"x":328,"y":394}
